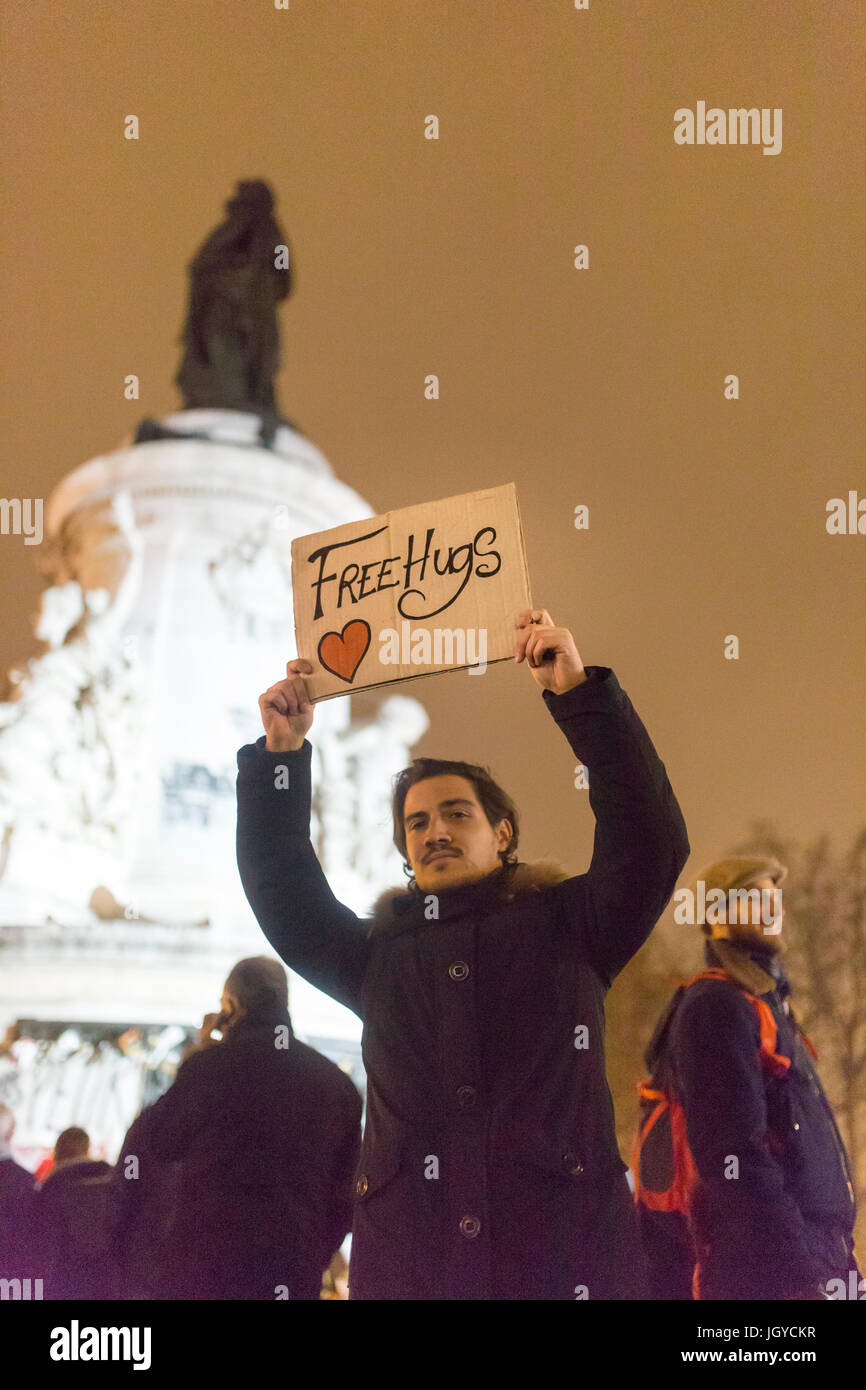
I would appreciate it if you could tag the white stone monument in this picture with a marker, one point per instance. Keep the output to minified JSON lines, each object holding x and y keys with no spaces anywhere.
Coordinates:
{"x":168,"y":611}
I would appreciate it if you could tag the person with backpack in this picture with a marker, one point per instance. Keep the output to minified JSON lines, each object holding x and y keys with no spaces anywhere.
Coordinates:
{"x":742,"y":1183}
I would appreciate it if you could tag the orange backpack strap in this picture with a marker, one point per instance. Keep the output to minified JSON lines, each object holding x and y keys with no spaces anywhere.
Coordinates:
{"x":772,"y":1060}
{"x":676,"y":1197}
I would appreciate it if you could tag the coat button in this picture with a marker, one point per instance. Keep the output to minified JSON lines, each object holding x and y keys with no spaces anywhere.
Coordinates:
{"x":469,"y":1227}
{"x":459,"y":970}
{"x":466,"y":1097}
{"x":571,"y":1163}
{"x":361,"y":1185}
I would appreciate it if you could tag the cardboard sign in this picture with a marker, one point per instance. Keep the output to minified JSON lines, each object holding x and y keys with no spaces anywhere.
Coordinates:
{"x":424,"y":589}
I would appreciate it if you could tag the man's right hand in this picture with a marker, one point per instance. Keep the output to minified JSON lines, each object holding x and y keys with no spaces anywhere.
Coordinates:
{"x":287,"y":710}
{"x":209,"y":1024}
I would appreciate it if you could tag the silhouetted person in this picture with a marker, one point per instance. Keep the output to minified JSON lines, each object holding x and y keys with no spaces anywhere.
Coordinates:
{"x":143,"y":1201}
{"x":17,"y":1197}
{"x":72,"y":1219}
{"x":267,"y":1133}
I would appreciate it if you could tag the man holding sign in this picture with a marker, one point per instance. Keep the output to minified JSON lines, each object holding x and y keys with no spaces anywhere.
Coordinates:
{"x":489,"y":1167}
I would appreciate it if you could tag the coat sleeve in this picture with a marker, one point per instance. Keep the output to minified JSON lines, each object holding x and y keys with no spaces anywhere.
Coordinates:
{"x":640,"y":844}
{"x":346,"y":1158}
{"x":314,"y":934}
{"x":751,"y":1230}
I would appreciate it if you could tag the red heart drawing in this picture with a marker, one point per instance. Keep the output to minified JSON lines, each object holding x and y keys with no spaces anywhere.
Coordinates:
{"x":341,"y":653}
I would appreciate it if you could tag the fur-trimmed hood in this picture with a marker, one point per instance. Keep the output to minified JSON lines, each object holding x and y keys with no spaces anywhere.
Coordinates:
{"x":393,"y":908}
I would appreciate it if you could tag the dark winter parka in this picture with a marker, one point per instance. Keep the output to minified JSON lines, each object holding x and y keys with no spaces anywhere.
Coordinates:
{"x":266,"y":1138}
{"x":489,"y":1166}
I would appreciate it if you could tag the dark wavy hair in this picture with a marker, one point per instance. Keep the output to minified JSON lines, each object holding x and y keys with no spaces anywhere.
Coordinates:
{"x":73,"y":1142}
{"x":496,"y":803}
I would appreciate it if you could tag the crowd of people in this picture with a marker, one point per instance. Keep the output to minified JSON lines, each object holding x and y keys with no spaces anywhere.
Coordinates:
{"x":488,"y":1167}
{"x":235,"y":1184}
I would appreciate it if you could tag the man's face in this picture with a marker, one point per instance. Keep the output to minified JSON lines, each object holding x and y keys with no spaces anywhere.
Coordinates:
{"x":771,"y":912}
{"x":449,"y":839}
{"x":768,"y":913}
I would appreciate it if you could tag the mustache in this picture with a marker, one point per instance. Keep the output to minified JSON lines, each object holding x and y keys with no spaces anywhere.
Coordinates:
{"x":452,"y":853}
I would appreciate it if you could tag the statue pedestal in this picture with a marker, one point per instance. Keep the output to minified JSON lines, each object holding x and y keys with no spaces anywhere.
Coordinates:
{"x":120,"y":898}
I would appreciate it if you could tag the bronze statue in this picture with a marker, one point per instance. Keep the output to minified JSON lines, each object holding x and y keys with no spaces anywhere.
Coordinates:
{"x":231,"y":335}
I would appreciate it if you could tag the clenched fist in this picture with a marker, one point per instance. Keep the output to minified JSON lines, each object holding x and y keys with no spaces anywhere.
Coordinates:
{"x":287,"y":710}
{"x":548,"y":651}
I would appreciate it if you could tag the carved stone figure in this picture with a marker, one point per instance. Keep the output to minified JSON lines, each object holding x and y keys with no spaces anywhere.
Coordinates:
{"x":65,"y":739}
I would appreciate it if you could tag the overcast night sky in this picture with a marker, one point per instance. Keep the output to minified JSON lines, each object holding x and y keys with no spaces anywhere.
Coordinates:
{"x":603,"y":387}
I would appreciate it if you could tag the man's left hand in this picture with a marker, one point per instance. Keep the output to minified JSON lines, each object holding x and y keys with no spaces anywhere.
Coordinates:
{"x":549,"y":651}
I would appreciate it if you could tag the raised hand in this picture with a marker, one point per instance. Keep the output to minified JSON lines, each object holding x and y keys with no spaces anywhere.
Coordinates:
{"x":549,"y":651}
{"x":287,"y":710}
